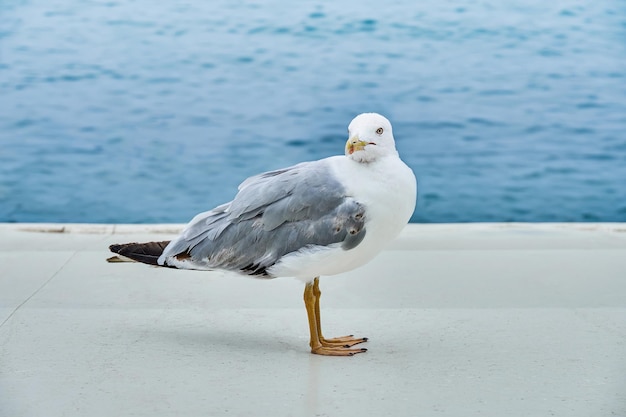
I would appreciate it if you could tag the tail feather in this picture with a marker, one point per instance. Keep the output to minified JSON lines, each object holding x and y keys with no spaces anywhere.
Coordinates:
{"x":147,"y":253}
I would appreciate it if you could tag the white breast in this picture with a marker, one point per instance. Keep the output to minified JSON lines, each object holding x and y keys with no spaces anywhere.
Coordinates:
{"x":387,"y":188}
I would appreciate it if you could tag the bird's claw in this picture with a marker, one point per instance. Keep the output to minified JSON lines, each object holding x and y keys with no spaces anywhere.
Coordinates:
{"x":344,"y":341}
{"x":336,"y":351}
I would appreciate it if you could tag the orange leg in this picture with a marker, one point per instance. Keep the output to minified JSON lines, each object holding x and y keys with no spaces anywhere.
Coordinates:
{"x":319,"y":345}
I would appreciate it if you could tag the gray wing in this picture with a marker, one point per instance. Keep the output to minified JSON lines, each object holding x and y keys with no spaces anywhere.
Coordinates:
{"x":274,"y":213}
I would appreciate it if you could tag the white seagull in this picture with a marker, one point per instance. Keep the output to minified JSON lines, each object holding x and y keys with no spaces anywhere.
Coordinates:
{"x":316,"y":218}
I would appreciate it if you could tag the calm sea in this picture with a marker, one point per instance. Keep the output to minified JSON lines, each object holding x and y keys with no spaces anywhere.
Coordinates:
{"x":146,"y":111}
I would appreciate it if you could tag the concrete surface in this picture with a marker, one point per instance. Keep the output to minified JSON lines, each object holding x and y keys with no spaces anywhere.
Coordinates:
{"x":463,"y":320}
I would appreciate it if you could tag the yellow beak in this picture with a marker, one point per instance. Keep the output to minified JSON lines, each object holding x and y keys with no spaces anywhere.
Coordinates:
{"x":354,"y":144}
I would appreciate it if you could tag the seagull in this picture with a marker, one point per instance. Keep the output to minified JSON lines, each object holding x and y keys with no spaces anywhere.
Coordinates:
{"x":313,"y":219}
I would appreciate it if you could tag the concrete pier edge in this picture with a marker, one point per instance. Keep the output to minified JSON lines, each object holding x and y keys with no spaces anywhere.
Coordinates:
{"x":489,"y":319}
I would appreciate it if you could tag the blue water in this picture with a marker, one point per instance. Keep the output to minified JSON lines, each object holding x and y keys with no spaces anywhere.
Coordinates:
{"x":145,"y":111}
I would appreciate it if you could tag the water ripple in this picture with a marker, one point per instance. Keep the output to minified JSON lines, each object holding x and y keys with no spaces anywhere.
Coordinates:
{"x":506,"y":111}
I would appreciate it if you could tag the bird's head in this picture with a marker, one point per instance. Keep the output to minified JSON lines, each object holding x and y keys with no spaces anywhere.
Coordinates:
{"x":370,"y":137}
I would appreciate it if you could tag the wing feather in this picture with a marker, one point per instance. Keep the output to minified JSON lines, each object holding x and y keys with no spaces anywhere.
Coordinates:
{"x":274,"y":213}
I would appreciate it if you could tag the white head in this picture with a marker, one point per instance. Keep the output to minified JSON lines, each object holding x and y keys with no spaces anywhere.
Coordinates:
{"x":370,"y":138}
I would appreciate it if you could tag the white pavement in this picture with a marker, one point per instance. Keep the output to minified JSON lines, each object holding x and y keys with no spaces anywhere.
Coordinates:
{"x":463,"y":320}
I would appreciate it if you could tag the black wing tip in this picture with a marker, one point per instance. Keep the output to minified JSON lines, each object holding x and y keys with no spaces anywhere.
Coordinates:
{"x":256,"y":270}
{"x":117,"y":247}
{"x":147,"y":253}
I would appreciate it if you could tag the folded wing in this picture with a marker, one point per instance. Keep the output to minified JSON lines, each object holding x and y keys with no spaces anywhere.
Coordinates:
{"x":274,"y":214}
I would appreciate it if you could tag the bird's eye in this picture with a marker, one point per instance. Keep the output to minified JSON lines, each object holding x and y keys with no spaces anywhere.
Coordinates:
{"x":379,"y":131}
